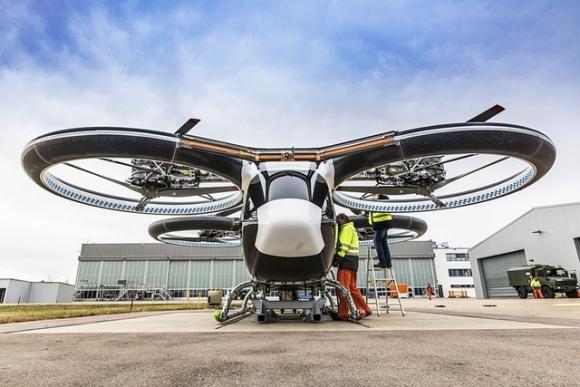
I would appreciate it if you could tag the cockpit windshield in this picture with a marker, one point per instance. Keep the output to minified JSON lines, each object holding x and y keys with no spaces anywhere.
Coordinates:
{"x":288,"y":187}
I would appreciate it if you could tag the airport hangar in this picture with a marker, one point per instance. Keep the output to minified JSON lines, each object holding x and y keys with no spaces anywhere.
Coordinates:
{"x":158,"y":270}
{"x":548,"y":235}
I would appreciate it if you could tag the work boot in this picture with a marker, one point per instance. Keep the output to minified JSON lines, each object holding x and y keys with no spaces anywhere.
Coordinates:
{"x":380,"y":265}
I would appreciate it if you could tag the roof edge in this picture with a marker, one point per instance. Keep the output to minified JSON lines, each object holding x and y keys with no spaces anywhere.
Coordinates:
{"x":36,"y":282}
{"x":521,"y":216}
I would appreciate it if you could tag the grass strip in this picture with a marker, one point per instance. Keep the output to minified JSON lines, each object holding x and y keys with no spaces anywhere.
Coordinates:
{"x":20,"y":313}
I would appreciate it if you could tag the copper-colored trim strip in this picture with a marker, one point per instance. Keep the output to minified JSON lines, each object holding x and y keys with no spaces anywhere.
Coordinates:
{"x":221,"y":149}
{"x":387,"y":140}
{"x":308,"y":157}
{"x":264,"y":155}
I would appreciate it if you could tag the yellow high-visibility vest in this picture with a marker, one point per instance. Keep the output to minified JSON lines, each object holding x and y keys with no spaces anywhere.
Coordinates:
{"x":535,"y":283}
{"x":377,"y":217}
{"x":348,"y":240}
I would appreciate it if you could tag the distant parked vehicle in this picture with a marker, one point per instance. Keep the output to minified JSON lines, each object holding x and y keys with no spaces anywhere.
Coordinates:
{"x":553,"y":279}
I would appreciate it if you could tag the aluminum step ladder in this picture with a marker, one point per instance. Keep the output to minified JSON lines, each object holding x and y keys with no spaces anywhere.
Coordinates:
{"x":386,"y":279}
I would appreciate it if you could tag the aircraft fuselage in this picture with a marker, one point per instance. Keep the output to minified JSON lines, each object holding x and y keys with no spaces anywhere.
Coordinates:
{"x":288,"y":226}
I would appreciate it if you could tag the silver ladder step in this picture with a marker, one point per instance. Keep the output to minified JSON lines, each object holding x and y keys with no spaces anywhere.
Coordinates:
{"x":389,"y":276}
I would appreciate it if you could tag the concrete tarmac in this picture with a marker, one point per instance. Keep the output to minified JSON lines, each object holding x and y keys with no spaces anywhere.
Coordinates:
{"x":461,"y":344}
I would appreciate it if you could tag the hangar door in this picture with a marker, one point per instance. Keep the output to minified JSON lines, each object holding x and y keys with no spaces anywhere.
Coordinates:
{"x":495,"y":273}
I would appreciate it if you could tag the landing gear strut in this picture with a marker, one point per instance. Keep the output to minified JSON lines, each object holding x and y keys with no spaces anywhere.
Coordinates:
{"x":314,"y":310}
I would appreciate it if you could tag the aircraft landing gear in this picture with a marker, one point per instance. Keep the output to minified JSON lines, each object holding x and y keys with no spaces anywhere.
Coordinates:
{"x":353,"y":312}
{"x":312,"y":309}
{"x":317,"y":309}
{"x":224,"y":315}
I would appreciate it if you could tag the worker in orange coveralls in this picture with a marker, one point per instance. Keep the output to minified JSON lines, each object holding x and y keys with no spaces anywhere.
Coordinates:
{"x":429,"y":290}
{"x":346,"y":257}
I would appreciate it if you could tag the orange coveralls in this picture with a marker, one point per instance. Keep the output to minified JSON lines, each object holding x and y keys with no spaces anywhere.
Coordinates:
{"x":348,"y":279}
{"x":347,"y":255}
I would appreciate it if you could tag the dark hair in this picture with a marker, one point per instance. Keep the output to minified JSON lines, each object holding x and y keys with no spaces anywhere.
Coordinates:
{"x":342,"y":216}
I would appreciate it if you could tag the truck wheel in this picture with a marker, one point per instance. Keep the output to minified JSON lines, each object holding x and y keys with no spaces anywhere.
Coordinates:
{"x":548,"y":292}
{"x":522,"y":292}
{"x":572,"y":294}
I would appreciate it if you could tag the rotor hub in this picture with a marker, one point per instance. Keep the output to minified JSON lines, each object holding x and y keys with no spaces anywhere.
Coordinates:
{"x":414,"y":172}
{"x":152,"y":176}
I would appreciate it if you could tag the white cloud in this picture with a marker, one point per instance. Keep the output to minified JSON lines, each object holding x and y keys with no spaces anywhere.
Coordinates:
{"x":276,"y":82}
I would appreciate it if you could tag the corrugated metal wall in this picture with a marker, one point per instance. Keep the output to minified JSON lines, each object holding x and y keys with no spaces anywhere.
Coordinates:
{"x":495,"y":273}
{"x":174,"y":267}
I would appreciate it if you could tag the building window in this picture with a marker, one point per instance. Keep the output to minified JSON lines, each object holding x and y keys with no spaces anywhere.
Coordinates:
{"x":457,"y":257}
{"x":462,"y":286}
{"x":459,"y":272}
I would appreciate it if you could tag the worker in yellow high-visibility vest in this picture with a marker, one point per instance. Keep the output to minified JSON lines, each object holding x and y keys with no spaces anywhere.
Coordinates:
{"x":536,"y":286}
{"x":381,"y":221}
{"x":346,"y":258}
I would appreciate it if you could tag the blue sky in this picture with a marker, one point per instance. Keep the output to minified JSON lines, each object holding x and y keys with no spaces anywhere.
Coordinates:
{"x":275,"y":74}
{"x":360,"y":39}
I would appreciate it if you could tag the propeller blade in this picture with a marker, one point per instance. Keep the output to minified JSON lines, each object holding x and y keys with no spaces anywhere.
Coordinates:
{"x":451,"y":180}
{"x":436,"y":200}
{"x":122,"y":183}
{"x":384,"y":190}
{"x":187,"y":126}
{"x":142,"y":203}
{"x":197,"y":191}
{"x":202,"y":239}
{"x":488,"y":114}
{"x":435,"y":164}
{"x":130,"y":165}
{"x":467,"y":192}
{"x":446,"y":161}
{"x":229,"y":211}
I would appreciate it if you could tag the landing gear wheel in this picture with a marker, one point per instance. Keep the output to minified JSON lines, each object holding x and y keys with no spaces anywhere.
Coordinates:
{"x":548,"y":292}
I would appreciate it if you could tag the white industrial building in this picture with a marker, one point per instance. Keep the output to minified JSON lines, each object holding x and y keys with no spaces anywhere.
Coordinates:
{"x":14,"y":291}
{"x":453,"y":268}
{"x":547,"y":235}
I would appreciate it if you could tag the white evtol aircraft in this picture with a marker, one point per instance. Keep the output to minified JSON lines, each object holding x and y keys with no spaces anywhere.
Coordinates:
{"x":286,"y":197}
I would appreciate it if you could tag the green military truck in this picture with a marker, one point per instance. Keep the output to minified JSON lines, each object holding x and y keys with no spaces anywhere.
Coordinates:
{"x":553,"y":279}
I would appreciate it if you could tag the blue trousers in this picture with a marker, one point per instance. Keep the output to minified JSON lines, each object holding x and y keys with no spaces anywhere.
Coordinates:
{"x":381,"y":245}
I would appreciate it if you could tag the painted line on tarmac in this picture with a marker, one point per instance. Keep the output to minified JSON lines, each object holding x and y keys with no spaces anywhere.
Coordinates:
{"x":556,"y":324}
{"x":76,"y":323}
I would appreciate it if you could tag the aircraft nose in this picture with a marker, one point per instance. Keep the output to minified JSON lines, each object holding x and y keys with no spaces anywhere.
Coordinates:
{"x":289,"y":228}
